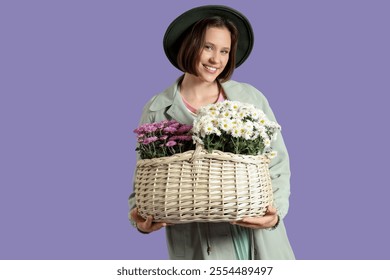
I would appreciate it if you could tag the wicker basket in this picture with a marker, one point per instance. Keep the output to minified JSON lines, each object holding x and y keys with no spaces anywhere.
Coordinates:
{"x":197,"y":186}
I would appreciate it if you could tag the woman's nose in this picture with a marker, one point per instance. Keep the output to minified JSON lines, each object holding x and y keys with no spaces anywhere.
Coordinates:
{"x":214,"y":57}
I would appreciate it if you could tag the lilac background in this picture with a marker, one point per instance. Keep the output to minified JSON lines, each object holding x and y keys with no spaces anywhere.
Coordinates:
{"x":74,"y":76}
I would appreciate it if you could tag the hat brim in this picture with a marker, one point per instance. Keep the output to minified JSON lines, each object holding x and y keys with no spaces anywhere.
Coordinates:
{"x":172,"y":37}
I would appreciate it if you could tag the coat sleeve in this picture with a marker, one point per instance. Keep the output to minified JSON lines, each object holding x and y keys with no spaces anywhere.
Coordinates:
{"x":146,"y":117}
{"x":280,"y":165}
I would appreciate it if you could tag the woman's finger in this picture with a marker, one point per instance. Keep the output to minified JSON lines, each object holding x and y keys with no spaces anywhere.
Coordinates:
{"x":271,"y":210}
{"x":148,"y":222}
{"x":134,"y":214}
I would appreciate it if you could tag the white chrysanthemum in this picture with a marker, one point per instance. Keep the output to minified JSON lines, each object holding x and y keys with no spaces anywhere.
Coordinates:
{"x":243,"y":112}
{"x":267,"y":142}
{"x":255,"y":135}
{"x":220,"y":106}
{"x":196,"y":126}
{"x":276,"y":126}
{"x":264,"y":135}
{"x":249,"y":126}
{"x":227,"y":104}
{"x":247,"y":135}
{"x":263,"y":121}
{"x":232,"y":105}
{"x":234,"y":114}
{"x":213,"y":113}
{"x":206,"y":119}
{"x":261,"y":114}
{"x":236,"y":122}
{"x":226,"y":114}
{"x":202,"y":112}
{"x":236,"y":132}
{"x":200,"y":123}
{"x":258,"y":127}
{"x":208,"y":128}
{"x":254,"y":113}
{"x":272,"y":154}
{"x":225,"y":124}
{"x":212,"y":107}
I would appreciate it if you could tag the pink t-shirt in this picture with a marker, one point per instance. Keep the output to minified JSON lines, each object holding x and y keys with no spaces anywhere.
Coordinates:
{"x":193,"y":110}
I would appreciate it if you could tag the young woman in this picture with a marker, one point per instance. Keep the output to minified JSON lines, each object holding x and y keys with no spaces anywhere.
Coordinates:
{"x":207,"y":43}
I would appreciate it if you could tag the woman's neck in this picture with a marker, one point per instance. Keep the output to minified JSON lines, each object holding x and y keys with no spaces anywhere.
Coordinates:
{"x":192,"y":87}
{"x":198,"y":93}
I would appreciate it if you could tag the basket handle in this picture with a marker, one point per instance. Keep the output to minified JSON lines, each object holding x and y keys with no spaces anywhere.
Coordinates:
{"x":197,"y":152}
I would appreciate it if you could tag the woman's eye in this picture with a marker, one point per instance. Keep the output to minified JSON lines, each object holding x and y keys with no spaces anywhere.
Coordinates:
{"x":225,"y":52}
{"x":207,"y":47}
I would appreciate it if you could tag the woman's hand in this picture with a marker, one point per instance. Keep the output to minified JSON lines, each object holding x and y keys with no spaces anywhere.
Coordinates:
{"x":145,"y":226}
{"x":269,"y":220}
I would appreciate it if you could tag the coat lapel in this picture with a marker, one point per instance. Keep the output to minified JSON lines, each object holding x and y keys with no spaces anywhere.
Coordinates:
{"x":171,"y":103}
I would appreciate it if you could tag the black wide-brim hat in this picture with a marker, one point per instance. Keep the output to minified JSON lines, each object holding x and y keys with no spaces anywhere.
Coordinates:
{"x":182,"y":24}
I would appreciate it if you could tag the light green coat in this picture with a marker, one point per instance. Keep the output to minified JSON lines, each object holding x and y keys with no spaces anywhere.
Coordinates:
{"x":194,"y":240}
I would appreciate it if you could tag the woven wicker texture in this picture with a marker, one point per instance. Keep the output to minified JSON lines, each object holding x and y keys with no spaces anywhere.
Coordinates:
{"x":197,"y":186}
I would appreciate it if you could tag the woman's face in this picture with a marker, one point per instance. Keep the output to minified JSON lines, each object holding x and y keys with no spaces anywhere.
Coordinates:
{"x":215,"y":53}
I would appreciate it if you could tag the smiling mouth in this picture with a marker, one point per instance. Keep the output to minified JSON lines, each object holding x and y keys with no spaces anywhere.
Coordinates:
{"x":209,"y":68}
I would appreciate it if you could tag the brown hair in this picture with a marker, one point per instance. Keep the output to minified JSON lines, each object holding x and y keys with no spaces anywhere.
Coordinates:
{"x":193,"y":42}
